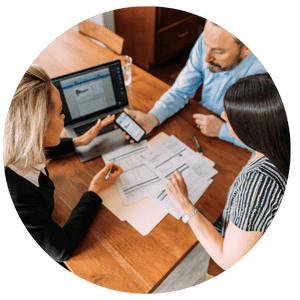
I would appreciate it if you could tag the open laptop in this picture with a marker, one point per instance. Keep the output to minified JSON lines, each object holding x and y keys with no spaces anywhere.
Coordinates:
{"x":88,"y":95}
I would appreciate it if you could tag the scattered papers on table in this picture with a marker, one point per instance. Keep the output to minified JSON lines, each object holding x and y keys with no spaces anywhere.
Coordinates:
{"x":147,"y":170}
{"x":170,"y":155}
{"x":137,"y":180}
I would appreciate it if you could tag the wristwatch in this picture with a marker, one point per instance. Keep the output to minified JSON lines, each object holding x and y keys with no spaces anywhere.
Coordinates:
{"x":187,"y":217}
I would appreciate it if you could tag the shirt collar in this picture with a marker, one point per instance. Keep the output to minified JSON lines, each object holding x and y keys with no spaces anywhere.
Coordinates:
{"x":33,"y":175}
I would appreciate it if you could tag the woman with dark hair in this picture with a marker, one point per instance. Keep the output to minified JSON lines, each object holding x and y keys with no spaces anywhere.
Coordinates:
{"x":256,"y":116}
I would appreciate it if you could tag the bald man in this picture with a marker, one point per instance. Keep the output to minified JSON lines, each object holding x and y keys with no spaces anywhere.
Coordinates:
{"x":217,"y":60}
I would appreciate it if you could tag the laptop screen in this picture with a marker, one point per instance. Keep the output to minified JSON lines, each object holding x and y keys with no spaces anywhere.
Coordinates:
{"x":92,"y":91}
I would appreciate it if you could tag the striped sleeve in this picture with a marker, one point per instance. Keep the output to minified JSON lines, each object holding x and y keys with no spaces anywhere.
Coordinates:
{"x":257,"y":200}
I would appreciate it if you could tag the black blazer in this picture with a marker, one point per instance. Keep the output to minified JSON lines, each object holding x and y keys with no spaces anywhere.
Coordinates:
{"x":35,"y":206}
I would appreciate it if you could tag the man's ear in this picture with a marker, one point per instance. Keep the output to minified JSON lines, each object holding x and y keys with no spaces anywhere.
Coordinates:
{"x":245,"y":51}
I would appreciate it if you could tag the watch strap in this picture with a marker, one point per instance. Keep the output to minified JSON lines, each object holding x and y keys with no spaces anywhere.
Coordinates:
{"x":187,"y":217}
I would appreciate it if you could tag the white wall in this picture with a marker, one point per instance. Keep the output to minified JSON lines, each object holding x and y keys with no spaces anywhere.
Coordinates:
{"x":106,"y":19}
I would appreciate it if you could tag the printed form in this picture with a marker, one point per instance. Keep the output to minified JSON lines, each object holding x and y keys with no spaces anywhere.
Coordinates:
{"x":147,"y":170}
{"x":137,"y":180}
{"x":170,"y":155}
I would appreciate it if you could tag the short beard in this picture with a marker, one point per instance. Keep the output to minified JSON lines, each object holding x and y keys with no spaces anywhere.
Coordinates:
{"x":228,"y":68}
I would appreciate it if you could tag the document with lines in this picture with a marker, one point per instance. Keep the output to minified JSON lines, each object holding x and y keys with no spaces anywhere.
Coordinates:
{"x":137,"y":180}
{"x":170,"y":155}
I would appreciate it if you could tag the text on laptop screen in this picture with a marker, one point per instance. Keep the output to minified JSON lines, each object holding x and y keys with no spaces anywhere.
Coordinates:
{"x":88,"y":93}
{"x":92,"y":91}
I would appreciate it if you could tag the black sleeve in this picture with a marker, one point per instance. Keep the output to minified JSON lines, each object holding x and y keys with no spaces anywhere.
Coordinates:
{"x":59,"y":243}
{"x":66,"y":146}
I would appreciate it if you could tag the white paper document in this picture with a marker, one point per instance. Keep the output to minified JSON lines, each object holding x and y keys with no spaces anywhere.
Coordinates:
{"x":170,"y":155}
{"x":137,"y":181}
{"x":147,"y":170}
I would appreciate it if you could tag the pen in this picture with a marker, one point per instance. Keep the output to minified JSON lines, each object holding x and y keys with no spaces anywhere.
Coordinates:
{"x":108,"y":174}
{"x":197,"y":144}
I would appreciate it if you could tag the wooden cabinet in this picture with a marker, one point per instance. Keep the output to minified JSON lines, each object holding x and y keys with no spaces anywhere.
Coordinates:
{"x":155,"y":34}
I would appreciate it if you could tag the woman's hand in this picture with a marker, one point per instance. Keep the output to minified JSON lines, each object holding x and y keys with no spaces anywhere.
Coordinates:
{"x":87,"y":137}
{"x":99,"y":183}
{"x":178,"y":193}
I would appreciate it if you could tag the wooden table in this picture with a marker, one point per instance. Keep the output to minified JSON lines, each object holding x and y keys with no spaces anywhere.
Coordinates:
{"x":113,"y":254}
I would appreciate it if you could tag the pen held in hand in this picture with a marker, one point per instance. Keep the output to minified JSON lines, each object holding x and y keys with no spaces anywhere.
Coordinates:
{"x":197,"y":144}
{"x":108,"y":174}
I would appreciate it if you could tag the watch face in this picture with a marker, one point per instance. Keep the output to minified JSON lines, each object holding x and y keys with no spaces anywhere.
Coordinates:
{"x":184,"y":218}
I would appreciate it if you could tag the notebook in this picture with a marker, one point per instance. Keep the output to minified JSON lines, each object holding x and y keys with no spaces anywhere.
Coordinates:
{"x":88,"y":95}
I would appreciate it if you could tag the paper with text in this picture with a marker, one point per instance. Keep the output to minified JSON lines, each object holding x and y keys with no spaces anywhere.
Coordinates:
{"x":137,"y":180}
{"x":170,"y":155}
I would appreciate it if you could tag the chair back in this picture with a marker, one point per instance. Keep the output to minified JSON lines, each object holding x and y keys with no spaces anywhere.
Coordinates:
{"x":213,"y":269}
{"x":102,"y":34}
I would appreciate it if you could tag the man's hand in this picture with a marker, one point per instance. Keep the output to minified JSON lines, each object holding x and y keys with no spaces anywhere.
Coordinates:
{"x":87,"y":137}
{"x":146,"y":121}
{"x":209,"y":125}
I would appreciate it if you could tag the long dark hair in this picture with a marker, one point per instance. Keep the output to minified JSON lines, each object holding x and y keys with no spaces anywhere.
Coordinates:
{"x":256,"y":114}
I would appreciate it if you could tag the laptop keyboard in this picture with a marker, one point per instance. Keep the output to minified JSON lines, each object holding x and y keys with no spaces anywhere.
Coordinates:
{"x":84,"y":128}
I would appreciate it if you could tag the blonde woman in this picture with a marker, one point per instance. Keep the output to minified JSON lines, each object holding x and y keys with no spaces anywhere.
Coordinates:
{"x":32,"y":136}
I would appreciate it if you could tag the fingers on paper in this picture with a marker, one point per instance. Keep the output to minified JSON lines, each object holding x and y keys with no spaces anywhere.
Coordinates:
{"x":175,"y":181}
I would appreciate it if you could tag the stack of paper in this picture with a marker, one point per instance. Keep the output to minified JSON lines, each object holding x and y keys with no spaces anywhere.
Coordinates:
{"x":137,"y":179}
{"x":147,"y":170}
{"x":170,"y":155}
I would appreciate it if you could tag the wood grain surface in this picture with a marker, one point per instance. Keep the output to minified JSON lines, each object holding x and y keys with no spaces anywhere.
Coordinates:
{"x":113,"y":254}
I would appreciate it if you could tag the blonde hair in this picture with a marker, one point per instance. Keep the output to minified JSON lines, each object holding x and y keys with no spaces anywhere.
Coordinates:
{"x":29,"y":114}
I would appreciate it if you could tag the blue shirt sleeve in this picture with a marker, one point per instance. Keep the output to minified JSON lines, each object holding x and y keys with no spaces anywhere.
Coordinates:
{"x":185,"y":86}
{"x":196,"y":72}
{"x":226,"y":135}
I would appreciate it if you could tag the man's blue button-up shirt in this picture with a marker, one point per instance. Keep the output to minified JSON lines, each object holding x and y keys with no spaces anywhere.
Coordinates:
{"x":215,"y":85}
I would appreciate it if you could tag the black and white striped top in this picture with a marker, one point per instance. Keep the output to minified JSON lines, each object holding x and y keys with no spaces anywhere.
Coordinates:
{"x":254,"y":197}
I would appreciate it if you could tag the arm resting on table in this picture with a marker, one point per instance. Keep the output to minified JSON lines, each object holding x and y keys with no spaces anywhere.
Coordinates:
{"x":59,"y":243}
